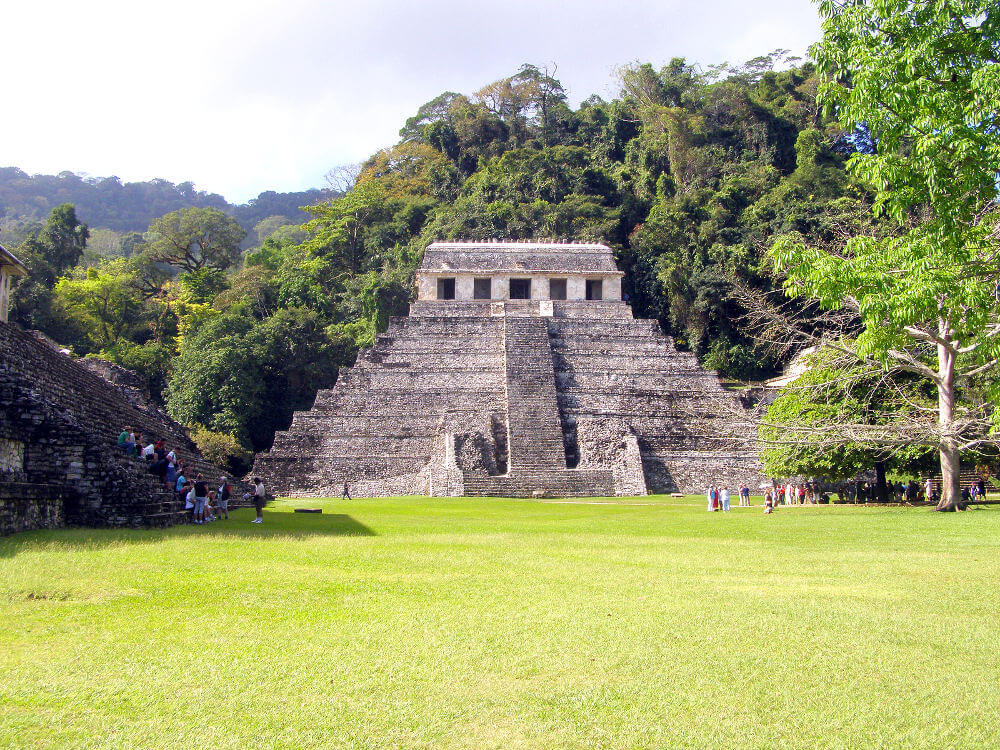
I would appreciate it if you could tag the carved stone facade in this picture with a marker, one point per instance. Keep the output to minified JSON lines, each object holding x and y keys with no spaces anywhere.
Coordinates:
{"x":516,"y":397}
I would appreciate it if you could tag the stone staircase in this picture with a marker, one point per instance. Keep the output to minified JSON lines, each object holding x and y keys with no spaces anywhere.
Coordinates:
{"x":537,"y":453}
{"x":383,"y":420}
{"x":534,"y":428}
{"x":542,"y":483}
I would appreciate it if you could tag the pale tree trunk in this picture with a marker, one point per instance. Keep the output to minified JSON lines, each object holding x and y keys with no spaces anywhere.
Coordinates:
{"x":951,"y":489}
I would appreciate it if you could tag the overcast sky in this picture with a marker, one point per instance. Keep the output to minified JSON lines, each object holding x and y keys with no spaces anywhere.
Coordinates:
{"x":270,"y":94}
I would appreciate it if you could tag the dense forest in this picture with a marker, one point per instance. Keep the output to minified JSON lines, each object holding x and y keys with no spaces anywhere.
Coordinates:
{"x":688,"y":174}
{"x":106,"y":203}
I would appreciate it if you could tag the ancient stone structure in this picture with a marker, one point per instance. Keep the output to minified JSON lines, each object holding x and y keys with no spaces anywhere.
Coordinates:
{"x":9,"y":268}
{"x":59,"y":424}
{"x":520,"y":371}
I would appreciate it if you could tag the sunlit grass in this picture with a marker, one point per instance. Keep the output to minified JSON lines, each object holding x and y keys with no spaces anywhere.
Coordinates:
{"x":475,"y":623}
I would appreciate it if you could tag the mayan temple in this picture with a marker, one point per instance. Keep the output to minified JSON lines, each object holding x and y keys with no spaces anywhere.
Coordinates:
{"x":520,"y":371}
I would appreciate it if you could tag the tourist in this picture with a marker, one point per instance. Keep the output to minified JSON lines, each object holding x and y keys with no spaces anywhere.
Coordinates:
{"x":768,"y":502}
{"x":744,"y":496}
{"x":223,"y":498}
{"x":170,"y":477}
{"x":347,"y":492}
{"x":148,"y":453}
{"x":123,"y":439}
{"x":789,"y":493}
{"x":180,"y":483}
{"x":189,"y":502}
{"x":211,"y":506}
{"x":200,"y":497}
{"x":724,"y":498}
{"x":159,"y":469}
{"x":711,"y":498}
{"x":130,"y":444}
{"x":258,"y":499}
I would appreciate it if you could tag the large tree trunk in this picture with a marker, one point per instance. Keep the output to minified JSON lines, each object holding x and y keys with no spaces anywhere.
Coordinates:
{"x":951,"y":489}
{"x":881,"y":491}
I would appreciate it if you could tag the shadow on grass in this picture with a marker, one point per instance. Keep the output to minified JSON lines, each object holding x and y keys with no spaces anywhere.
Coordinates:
{"x":277,"y":527}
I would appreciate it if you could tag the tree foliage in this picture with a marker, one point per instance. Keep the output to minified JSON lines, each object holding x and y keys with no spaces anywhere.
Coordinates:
{"x":923,"y":80}
{"x":686,"y":175}
{"x":194,"y":238}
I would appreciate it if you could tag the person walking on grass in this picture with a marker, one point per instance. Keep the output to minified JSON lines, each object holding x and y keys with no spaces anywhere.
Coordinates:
{"x":223,"y":498}
{"x":724,"y":497}
{"x":744,"y":496}
{"x":258,"y":499}
{"x":347,"y":492}
{"x":711,"y":498}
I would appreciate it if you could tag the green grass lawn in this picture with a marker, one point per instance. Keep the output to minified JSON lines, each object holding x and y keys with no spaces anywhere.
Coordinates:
{"x":477,"y":623}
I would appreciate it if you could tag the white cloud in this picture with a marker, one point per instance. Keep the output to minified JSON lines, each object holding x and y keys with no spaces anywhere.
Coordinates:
{"x":269,"y":94}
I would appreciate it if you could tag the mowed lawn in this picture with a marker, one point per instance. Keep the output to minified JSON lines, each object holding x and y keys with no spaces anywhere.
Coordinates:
{"x":476,"y":623}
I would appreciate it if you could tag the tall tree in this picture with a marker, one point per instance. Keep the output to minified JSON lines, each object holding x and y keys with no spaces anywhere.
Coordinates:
{"x":64,"y":237}
{"x":194,"y":238}
{"x":924,"y":80}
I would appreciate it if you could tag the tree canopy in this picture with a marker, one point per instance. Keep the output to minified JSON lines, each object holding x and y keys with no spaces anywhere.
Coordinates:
{"x":686,"y":174}
{"x":923,"y":80}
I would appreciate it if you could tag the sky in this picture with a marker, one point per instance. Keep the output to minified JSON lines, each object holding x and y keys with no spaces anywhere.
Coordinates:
{"x":271,"y":94}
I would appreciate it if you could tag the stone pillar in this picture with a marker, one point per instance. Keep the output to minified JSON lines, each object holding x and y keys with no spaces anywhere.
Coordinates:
{"x":613,"y":287}
{"x":540,"y":287}
{"x":576,"y":288}
{"x":501,"y":287}
{"x":4,"y":293}
{"x":463,"y":287}
{"x":426,"y":286}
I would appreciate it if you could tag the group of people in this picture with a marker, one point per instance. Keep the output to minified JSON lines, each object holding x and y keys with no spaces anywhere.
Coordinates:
{"x":203,"y":505}
{"x":806,"y":493}
{"x":718,"y":497}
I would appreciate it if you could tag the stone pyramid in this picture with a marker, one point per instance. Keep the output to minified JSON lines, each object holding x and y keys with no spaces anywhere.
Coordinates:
{"x":519,"y":372}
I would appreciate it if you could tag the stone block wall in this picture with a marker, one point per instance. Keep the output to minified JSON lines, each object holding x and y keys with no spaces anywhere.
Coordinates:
{"x":496,"y":384}
{"x":383,"y":422}
{"x":625,"y":377}
{"x":25,"y":506}
{"x":67,"y":418}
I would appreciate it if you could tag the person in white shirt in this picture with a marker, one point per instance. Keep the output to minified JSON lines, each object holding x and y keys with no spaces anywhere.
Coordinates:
{"x":148,"y":451}
{"x":189,"y":502}
{"x":724,"y":496}
{"x":259,"y":496}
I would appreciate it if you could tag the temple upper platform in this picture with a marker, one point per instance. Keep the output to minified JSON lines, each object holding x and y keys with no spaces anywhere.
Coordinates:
{"x":529,"y":270}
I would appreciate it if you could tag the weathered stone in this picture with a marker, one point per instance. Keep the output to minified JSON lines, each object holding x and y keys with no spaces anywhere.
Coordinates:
{"x":515,"y":397}
{"x":59,"y":461}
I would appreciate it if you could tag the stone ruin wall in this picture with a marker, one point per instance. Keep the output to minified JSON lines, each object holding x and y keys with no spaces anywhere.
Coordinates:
{"x":387,"y":416}
{"x":631,"y":408}
{"x":59,"y":460}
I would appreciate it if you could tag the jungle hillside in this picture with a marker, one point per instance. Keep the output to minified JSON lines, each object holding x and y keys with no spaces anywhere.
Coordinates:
{"x":236,"y":315}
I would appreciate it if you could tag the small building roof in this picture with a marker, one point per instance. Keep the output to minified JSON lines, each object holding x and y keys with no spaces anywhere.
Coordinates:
{"x":10,"y":264}
{"x":519,"y":257}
